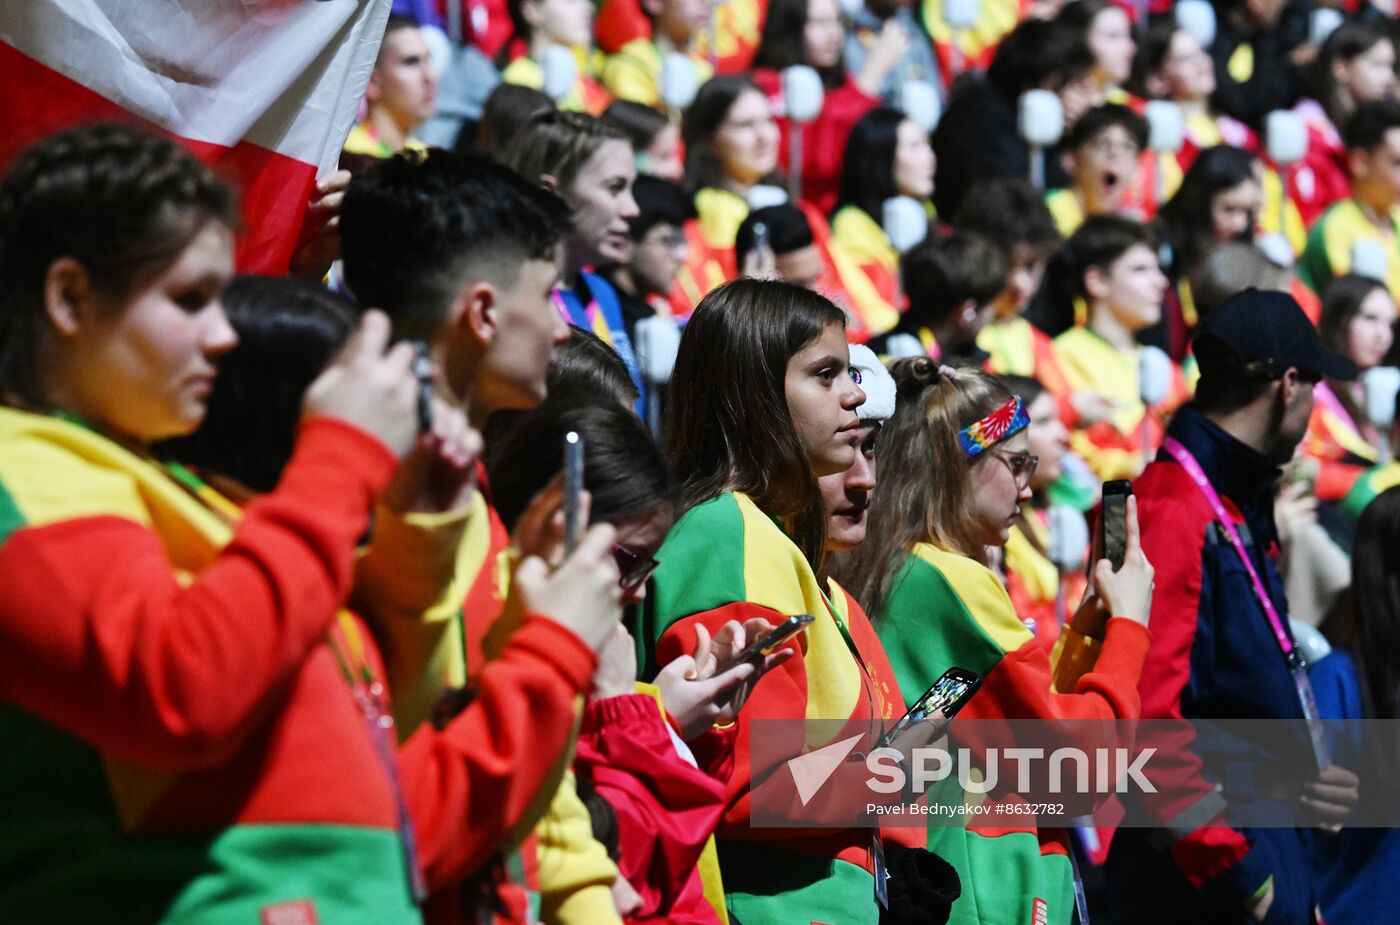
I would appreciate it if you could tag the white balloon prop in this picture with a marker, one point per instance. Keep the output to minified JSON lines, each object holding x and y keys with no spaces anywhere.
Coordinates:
{"x":1154,"y":375}
{"x":1198,"y":18}
{"x":1276,"y":247}
{"x":919,"y":100}
{"x":1166,"y":126}
{"x":1380,"y":384}
{"x":1287,"y":137}
{"x":803,"y":93}
{"x":763,"y":195}
{"x":803,"y":96}
{"x":678,"y":84}
{"x":905,"y":221}
{"x":1041,"y":120}
{"x":439,"y":49}
{"x":560,"y":72}
{"x":960,"y":15}
{"x":657,"y":340}
{"x":1323,"y":22}
{"x":1368,"y":258}
{"x":1069,"y":537}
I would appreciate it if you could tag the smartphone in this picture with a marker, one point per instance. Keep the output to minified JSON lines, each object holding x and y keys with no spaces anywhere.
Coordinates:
{"x":423,"y":372}
{"x":766,"y":644}
{"x":949,"y":694}
{"x":573,"y":488}
{"x":1113,"y":521}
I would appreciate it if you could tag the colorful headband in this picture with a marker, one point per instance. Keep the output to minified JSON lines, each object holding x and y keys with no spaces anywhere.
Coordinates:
{"x":1010,"y":418}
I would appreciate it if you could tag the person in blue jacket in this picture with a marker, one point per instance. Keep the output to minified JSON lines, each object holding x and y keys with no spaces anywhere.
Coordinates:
{"x":1222,"y":649}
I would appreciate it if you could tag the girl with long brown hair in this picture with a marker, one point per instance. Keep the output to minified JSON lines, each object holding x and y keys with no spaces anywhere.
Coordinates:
{"x":955,"y":468}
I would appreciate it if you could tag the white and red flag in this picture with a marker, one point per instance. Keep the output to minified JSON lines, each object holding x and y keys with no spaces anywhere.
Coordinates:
{"x":265,"y":91}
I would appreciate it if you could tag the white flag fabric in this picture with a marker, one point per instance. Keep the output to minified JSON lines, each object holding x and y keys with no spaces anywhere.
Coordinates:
{"x":263,"y":90}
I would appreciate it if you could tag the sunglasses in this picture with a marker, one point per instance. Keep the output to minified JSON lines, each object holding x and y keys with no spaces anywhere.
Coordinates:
{"x":633,"y":570}
{"x":1022,"y":466}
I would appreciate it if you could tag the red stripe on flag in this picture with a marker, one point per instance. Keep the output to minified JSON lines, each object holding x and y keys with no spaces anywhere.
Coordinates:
{"x":273,"y":187}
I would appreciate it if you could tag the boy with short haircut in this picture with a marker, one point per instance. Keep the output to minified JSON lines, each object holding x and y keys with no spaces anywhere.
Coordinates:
{"x":401,"y":95}
{"x":1102,"y":155}
{"x":463,"y":254}
{"x":1372,"y":212}
{"x":1113,"y":264}
{"x":634,"y":73}
{"x":951,"y":283}
{"x":788,"y":236}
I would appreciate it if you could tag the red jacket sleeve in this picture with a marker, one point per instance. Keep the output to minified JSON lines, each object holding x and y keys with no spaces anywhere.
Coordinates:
{"x":1186,"y":804}
{"x":472,"y":784}
{"x":666,"y":807}
{"x":99,"y":637}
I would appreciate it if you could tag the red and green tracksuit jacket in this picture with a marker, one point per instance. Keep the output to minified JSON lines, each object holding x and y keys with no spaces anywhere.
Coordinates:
{"x":1332,"y":237}
{"x":948,"y":610}
{"x":1371,"y":483}
{"x":192,"y":750}
{"x":727,"y":560}
{"x":551,"y":866}
{"x":1119,"y":446}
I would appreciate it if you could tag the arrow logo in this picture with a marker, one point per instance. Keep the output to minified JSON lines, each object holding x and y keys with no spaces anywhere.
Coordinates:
{"x":811,"y":770}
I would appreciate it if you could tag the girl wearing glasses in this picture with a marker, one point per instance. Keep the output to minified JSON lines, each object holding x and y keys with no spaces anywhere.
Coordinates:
{"x":955,"y":466}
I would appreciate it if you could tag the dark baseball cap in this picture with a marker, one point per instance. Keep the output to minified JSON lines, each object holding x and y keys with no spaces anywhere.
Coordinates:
{"x":1264,"y":333}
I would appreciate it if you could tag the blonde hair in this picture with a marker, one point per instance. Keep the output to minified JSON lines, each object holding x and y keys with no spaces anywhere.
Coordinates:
{"x":924,"y":494}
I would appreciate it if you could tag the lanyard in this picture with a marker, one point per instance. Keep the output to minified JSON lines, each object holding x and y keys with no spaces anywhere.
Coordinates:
{"x":1296,"y":666}
{"x":367,"y":691}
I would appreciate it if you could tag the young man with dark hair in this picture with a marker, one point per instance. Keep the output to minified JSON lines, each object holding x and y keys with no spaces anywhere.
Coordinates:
{"x":1221,"y":642}
{"x":788,"y":236}
{"x":951,"y":283}
{"x":1112,"y":262}
{"x":1372,"y":213}
{"x":978,"y":137}
{"x":1102,"y":154}
{"x":462,"y":253}
{"x":401,"y":94}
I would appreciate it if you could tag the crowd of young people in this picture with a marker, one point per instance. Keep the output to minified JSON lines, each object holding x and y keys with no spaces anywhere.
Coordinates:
{"x":298,"y":626}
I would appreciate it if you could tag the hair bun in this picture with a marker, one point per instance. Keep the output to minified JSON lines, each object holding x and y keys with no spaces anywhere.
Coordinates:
{"x":914,"y":374}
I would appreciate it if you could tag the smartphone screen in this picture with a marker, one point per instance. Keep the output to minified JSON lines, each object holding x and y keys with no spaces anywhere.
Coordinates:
{"x":948,"y":694}
{"x":1113,"y":520}
{"x":573,"y":488}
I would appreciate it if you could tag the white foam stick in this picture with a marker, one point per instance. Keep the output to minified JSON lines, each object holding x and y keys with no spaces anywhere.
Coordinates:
{"x":1286,"y":136}
{"x":919,"y":100}
{"x":1368,"y":259}
{"x":1323,"y":22}
{"x":658,"y":340}
{"x":961,"y":15}
{"x":763,"y":195}
{"x":1276,"y":247}
{"x":1380,"y":384}
{"x":803,"y":93}
{"x":439,"y":48}
{"x":1198,"y":18}
{"x":905,"y":221}
{"x":1069,"y":537}
{"x":678,"y":83}
{"x":1166,"y":126}
{"x":1041,"y":118}
{"x":1154,"y":375}
{"x":852,"y":8}
{"x":560,"y":72}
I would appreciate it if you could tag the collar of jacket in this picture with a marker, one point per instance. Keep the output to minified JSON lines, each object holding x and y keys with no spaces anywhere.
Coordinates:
{"x":1239,"y":472}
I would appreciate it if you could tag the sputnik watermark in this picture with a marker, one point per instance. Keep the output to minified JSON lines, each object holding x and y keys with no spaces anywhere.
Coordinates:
{"x":931,"y":765}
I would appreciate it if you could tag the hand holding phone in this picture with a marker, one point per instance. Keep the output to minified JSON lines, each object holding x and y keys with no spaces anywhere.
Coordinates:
{"x":760,"y":648}
{"x":949,"y":694}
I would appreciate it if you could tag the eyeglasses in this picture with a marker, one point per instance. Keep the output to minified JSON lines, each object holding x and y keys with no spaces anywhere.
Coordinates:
{"x":633,"y":570}
{"x":1022,"y":466}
